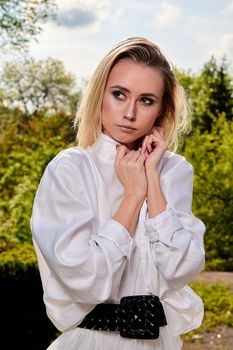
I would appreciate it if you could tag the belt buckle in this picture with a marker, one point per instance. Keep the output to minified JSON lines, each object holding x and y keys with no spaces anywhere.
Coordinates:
{"x":138,"y":317}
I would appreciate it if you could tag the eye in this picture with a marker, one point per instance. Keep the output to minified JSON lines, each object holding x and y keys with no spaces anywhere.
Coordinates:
{"x":147,"y":101}
{"x":118,"y":94}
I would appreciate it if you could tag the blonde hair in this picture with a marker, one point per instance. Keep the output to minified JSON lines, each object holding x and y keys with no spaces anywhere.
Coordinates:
{"x":174,"y":114}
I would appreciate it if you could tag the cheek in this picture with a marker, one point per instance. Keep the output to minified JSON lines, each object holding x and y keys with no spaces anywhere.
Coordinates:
{"x":111,"y":108}
{"x":150,"y":120}
{"x":105,"y":110}
{"x":107,"y":107}
{"x":104,"y":105}
{"x":154,"y":114}
{"x":148,"y":124}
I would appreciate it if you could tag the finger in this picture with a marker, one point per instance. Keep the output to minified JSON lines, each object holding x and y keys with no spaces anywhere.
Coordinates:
{"x":155,"y":138}
{"x":157,"y":141}
{"x":142,"y":158}
{"x":122,"y":150}
{"x":144,"y":144}
{"x":151,"y":143}
{"x":149,"y":147}
{"x":156,"y":134}
{"x":159,"y":130}
{"x":132,"y":155}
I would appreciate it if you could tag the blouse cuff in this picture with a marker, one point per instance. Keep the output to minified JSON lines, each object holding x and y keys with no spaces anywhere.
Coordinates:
{"x":162,"y":225}
{"x":116,"y":233}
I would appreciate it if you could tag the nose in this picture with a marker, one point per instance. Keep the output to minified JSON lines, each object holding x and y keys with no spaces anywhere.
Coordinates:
{"x":130,"y":112}
{"x":129,"y":116}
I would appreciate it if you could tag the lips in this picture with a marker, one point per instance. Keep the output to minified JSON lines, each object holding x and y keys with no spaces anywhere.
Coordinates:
{"x":126,"y":127}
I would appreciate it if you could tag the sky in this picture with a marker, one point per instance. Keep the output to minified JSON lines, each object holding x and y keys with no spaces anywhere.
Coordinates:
{"x":187,"y":31}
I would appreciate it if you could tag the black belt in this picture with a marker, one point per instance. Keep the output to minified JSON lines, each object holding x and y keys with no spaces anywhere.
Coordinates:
{"x":138,"y":317}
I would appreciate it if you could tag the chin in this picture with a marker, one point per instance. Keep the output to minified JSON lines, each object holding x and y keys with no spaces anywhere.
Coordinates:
{"x":129,"y":141}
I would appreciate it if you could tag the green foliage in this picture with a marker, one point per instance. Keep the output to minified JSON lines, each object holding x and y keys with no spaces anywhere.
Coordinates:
{"x":212,"y":94}
{"x":20,"y":19}
{"x":26,"y":148}
{"x":218,"y":304}
{"x":209,"y":148}
{"x":18,"y":262}
{"x":186,"y":79}
{"x":212,"y":158}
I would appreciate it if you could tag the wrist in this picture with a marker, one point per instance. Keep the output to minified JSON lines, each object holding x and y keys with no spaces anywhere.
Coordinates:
{"x":135,"y":197}
{"x":152,"y":172}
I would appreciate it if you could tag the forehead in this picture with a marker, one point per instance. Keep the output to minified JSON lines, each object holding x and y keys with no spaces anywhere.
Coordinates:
{"x":136,"y":76}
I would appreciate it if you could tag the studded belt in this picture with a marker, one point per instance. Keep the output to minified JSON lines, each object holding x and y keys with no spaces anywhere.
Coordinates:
{"x":138,"y":317}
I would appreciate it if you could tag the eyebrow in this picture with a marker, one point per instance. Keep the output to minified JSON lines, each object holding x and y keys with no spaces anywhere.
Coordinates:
{"x":146,"y":94}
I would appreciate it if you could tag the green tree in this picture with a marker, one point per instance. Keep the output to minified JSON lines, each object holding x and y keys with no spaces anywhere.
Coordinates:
{"x":212,"y":94}
{"x":212,"y":157}
{"x":26,"y":148}
{"x":185,"y":78}
{"x":38,"y":86}
{"x":20,"y":21}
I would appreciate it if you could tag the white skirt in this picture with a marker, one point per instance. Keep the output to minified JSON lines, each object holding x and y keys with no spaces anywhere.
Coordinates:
{"x":85,"y":339}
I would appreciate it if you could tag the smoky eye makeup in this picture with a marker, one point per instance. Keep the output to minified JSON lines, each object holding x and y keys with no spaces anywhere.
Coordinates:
{"x":118,"y":94}
{"x":148,"y":101}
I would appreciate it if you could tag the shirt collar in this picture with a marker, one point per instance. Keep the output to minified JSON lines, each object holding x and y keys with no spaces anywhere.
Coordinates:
{"x":105,"y":148}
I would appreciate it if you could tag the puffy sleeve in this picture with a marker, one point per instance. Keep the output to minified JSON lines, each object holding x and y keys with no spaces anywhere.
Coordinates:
{"x":85,"y":259}
{"x":176,"y":235}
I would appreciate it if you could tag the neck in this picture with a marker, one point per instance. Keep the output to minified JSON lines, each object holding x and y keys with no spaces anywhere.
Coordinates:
{"x":133,"y":145}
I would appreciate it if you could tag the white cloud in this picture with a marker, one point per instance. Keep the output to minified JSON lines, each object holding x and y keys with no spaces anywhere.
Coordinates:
{"x":125,"y":9}
{"x":166,"y":15}
{"x":228,"y":10}
{"x":68,"y":45}
{"x":83,"y":13}
{"x":66,"y":5}
{"x":224,"y":46}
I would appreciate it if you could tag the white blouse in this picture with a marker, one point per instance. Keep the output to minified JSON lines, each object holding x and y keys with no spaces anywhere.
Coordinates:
{"x":85,"y":257}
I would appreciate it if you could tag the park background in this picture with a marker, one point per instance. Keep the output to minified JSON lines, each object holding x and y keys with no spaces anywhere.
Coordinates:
{"x":48,"y":51}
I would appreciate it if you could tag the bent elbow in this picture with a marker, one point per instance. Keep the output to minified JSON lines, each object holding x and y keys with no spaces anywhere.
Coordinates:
{"x":179,"y":275}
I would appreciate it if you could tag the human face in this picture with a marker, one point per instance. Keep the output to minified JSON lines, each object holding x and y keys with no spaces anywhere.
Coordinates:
{"x":132,"y":101}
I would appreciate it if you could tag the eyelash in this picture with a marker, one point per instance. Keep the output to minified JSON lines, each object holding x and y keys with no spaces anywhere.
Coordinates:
{"x":119,"y":95}
{"x":147,"y":101}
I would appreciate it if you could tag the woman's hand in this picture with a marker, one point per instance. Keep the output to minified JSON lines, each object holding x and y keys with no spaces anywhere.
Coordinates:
{"x":129,"y":167}
{"x":153,"y":147}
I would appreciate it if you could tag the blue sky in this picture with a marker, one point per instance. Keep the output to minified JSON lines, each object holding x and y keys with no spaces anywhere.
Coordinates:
{"x":188,"y":32}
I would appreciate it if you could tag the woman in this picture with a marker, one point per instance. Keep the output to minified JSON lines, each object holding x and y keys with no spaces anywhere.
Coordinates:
{"x":112,"y":217}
